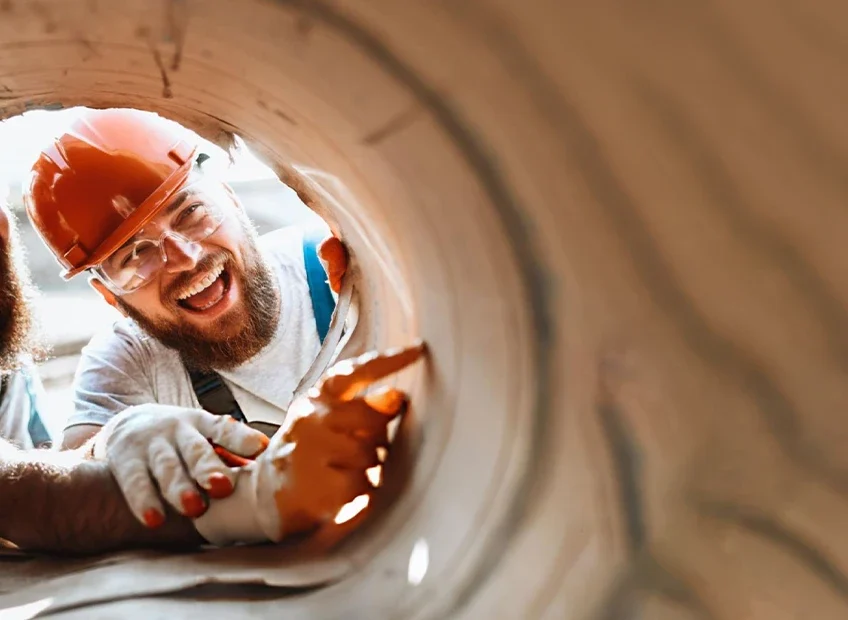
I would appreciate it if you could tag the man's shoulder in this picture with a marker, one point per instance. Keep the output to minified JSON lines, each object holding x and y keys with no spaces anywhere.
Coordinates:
{"x":123,"y":329}
{"x":16,"y":380}
{"x":21,"y":395}
{"x":282,"y":241}
{"x":123,"y":337}
{"x":284,"y":246}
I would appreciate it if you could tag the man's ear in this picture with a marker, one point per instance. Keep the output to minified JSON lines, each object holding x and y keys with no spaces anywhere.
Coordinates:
{"x":106,"y":294}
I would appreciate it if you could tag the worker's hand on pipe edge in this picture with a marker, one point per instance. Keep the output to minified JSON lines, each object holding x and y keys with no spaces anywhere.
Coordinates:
{"x":333,"y":256}
{"x":159,"y":446}
{"x":316,"y":463}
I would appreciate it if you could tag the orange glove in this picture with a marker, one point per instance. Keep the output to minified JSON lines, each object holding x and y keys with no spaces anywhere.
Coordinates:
{"x":333,"y":439}
{"x":333,"y":256}
{"x":316,"y":463}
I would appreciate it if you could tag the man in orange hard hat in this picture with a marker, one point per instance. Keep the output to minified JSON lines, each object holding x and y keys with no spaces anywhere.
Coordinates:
{"x":216,"y":317}
{"x":66,"y":502}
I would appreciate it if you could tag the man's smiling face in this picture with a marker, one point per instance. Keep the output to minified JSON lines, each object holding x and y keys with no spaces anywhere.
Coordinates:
{"x":213,"y":300}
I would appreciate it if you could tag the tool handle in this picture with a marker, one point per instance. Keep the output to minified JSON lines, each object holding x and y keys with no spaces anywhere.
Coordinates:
{"x":232,"y":460}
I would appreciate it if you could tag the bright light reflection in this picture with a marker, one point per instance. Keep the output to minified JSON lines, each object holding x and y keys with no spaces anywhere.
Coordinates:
{"x":300,"y":408}
{"x":344,"y":367}
{"x":25,"y":612}
{"x":352,"y":508}
{"x":375,"y":475}
{"x":419,"y":561}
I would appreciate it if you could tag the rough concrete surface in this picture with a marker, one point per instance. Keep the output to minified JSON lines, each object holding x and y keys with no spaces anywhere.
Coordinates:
{"x":620,"y":227}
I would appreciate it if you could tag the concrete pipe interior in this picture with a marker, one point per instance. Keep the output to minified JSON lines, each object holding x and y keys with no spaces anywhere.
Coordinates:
{"x":441,"y":250}
{"x":619,"y":228}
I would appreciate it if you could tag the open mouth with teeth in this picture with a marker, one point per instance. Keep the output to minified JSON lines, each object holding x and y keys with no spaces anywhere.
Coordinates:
{"x":208,"y":291}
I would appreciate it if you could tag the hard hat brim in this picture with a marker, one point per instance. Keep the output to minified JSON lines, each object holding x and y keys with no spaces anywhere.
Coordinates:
{"x":145,"y":212}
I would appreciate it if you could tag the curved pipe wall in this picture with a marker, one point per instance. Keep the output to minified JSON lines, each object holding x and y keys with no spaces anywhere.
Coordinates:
{"x":619,"y":229}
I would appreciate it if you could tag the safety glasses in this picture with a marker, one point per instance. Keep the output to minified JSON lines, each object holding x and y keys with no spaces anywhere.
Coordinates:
{"x":195,"y":213}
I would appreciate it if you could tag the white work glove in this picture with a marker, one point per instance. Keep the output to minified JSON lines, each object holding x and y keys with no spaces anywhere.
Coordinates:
{"x":160,"y":445}
{"x":317,"y":463}
{"x":248,"y":515}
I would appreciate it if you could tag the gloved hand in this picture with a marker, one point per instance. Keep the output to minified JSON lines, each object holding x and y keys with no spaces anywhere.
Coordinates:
{"x":317,"y":462}
{"x":333,"y":256}
{"x":171,"y":447}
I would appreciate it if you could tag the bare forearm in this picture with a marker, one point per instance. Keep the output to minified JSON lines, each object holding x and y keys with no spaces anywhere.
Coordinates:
{"x":58,"y":502}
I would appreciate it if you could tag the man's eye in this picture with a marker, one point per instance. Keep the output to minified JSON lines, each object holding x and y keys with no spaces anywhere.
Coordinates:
{"x":138,"y":254}
{"x":128,"y":258}
{"x":190,"y":212}
{"x":123,"y":258}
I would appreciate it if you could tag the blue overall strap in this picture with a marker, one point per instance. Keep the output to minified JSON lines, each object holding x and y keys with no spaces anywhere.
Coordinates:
{"x":323,"y":303}
{"x":37,"y":431}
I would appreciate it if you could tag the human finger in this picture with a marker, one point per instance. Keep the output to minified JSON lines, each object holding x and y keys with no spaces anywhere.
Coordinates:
{"x":174,"y":482}
{"x":348,"y":377}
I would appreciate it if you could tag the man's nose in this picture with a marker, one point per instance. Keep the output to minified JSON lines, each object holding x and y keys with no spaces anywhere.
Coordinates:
{"x":179,"y":254}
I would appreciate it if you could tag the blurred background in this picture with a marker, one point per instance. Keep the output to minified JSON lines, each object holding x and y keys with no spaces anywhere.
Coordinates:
{"x":70,"y":312}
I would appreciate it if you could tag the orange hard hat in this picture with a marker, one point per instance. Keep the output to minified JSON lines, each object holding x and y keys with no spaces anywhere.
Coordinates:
{"x":99,"y":183}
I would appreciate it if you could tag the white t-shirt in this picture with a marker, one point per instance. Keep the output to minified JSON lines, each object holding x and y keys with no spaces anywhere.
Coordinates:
{"x":123,"y":366}
{"x":22,"y":400}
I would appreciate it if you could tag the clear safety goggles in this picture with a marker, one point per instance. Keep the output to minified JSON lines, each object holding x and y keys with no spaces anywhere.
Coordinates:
{"x":195,"y":213}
